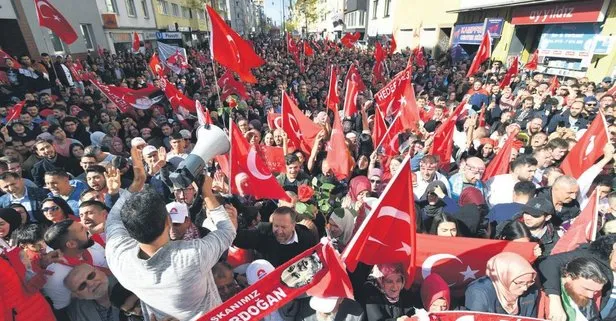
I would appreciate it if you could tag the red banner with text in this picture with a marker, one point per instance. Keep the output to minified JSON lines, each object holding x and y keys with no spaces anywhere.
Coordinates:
{"x":468,"y":316}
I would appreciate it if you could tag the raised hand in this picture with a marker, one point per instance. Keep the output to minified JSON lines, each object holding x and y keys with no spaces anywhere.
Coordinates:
{"x":112,"y":176}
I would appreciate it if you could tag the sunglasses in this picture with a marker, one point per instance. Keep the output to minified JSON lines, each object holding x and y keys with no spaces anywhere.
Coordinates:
{"x":589,"y":104}
{"x":84,"y":284}
{"x":47,"y":209}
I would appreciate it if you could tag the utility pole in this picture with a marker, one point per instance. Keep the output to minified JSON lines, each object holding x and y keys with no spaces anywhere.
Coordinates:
{"x":283,"y":18}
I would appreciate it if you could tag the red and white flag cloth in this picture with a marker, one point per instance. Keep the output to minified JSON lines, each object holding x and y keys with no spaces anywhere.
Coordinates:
{"x":500,"y":163}
{"x":349,"y":39}
{"x":588,"y":149}
{"x":274,"y":158}
{"x":249,"y":170}
{"x":468,"y":316}
{"x":442,"y":144}
{"x":338,"y":156}
{"x":125,"y":98}
{"x":533,"y":62}
{"x":203,"y":115}
{"x":384,"y":97}
{"x":49,"y":17}
{"x":483,"y":54}
{"x":4,"y":56}
{"x":350,"y":99}
{"x":229,"y":86}
{"x":332,"y":99}
{"x":307,"y":49}
{"x":554,"y":84}
{"x":156,"y":66}
{"x":511,"y":73}
{"x":176,"y":98}
{"x":390,"y":143}
{"x":136,"y":42}
{"x":317,"y":271}
{"x":301,"y":130}
{"x":388,"y":234}
{"x":15,"y":112}
{"x":379,"y":128}
{"x":583,"y":229}
{"x":353,"y":75}
{"x":230,"y":50}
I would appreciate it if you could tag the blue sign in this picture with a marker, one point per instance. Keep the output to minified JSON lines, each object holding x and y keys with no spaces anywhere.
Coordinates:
{"x":495,"y":27}
{"x":458,"y":53}
{"x":468,"y":34}
{"x":568,"y":37}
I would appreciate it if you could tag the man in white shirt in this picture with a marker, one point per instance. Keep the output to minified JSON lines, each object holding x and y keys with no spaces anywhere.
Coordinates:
{"x":500,"y":187}
{"x":427,"y":174}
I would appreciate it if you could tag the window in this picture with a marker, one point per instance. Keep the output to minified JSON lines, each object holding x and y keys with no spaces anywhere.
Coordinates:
{"x":56,"y":42}
{"x":112,"y":6}
{"x":185,"y":13}
{"x":130,"y":7}
{"x":86,"y":32}
{"x":362,"y":16}
{"x":201,"y":14}
{"x":375,"y":5}
{"x":175,"y":10}
{"x":163,"y":7}
{"x":144,"y":6}
{"x":387,"y":3}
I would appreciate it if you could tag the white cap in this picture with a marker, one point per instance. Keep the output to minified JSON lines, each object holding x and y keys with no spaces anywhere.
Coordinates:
{"x":178,"y":212}
{"x":148,"y":150}
{"x":185,"y":133}
{"x":323,"y":305}
{"x":257,"y":270}
{"x":137,"y":141}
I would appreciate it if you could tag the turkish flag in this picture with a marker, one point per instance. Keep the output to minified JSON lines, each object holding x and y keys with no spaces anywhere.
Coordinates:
{"x":511,"y":72}
{"x":274,"y":158}
{"x":15,"y":111}
{"x":228,"y":86}
{"x":350,"y":99}
{"x":582,"y":230}
{"x":470,"y":316}
{"x":379,"y":128}
{"x":76,"y":70}
{"x":176,"y":98}
{"x":230,"y":50}
{"x":554,"y":84}
{"x":349,"y":39}
{"x":291,"y":45}
{"x":49,"y":17}
{"x":353,"y":75}
{"x":177,"y":60}
{"x":387,"y":235}
{"x":500,"y":163}
{"x":384,"y":97}
{"x":392,"y":45}
{"x":409,"y":112}
{"x":378,"y":72}
{"x":203,"y":115}
{"x":332,"y":97}
{"x":461,"y":260}
{"x":588,"y":149}
{"x":245,"y":160}
{"x":335,"y":283}
{"x":379,"y":53}
{"x":156,"y":66}
{"x":136,"y":42}
{"x":274,"y":121}
{"x":125,"y":98}
{"x":338,"y":155}
{"x":4,"y":56}
{"x":533,"y":62}
{"x":390,"y":141}
{"x":420,"y":59}
{"x":483,"y":54}
{"x":308,"y":50}
{"x":300,"y":129}
{"x":442,"y":144}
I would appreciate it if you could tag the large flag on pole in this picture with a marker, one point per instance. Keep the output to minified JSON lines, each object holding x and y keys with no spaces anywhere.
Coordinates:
{"x":49,"y":17}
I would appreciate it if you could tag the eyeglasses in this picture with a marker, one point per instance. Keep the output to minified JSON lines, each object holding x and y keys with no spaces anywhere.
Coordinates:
{"x":525,"y":284}
{"x":84,"y":284}
{"x":475,"y":170}
{"x":52,"y":208}
{"x":375,"y":181}
{"x":588,"y":104}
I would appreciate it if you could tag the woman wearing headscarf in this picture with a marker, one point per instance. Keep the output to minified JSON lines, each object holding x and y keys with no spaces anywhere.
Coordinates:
{"x":508,"y":287}
{"x":340,"y":227}
{"x":10,"y":220}
{"x":435,"y":294}
{"x":473,"y":212}
{"x":359,"y":188}
{"x":435,"y":201}
{"x":117,"y":147}
{"x":386,"y":298}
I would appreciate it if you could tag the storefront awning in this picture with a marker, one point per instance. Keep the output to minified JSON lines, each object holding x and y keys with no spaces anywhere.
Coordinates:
{"x":484,"y":5}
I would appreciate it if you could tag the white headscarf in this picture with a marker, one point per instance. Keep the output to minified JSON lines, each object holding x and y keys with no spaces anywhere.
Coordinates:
{"x":346,"y":224}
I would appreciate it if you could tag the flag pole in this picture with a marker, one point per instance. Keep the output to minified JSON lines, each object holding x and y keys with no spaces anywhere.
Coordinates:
{"x":47,"y":46}
{"x":214,"y":67}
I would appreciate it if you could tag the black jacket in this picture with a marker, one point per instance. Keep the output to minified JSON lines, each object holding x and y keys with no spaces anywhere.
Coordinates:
{"x":580,"y":123}
{"x":567,"y":212}
{"x":549,"y":271}
{"x":263,"y":240}
{"x":60,"y":163}
{"x":480,"y":296}
{"x":378,"y":308}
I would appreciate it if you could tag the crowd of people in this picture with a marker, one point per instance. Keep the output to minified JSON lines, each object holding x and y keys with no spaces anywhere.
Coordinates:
{"x":92,"y":228}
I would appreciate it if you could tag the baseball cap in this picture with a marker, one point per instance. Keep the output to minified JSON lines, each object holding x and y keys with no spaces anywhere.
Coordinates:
{"x":607,"y":79}
{"x":257,"y":270}
{"x":137,"y":141}
{"x":178,"y":212}
{"x":323,"y":305}
{"x":148,"y":150}
{"x":538,"y":207}
{"x":185,"y":133}
{"x":590,"y":99}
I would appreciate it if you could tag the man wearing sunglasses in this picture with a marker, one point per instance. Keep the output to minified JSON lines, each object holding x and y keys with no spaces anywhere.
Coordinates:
{"x":96,"y":295}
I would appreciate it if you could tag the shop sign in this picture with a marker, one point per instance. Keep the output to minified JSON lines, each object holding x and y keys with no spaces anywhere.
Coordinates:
{"x":149,"y":36}
{"x":561,"y":12}
{"x":603,"y":45}
{"x":568,"y":40}
{"x":121,"y":37}
{"x":168,"y":35}
{"x":494,"y":26}
{"x":184,"y":29}
{"x":110,"y":20}
{"x":471,"y":34}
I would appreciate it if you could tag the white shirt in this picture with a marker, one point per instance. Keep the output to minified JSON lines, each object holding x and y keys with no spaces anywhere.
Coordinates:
{"x":500,"y":189}
{"x":422,"y":184}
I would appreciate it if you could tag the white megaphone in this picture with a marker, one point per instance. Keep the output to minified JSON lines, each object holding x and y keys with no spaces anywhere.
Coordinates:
{"x":211,"y":141}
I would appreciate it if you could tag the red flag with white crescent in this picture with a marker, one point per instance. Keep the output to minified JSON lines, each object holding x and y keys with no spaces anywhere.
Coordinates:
{"x":156,"y":66}
{"x":125,"y":98}
{"x":379,"y":128}
{"x":203,"y":115}
{"x":388,"y":234}
{"x":582,"y":230}
{"x":533,"y":62}
{"x":353,"y":75}
{"x":483,"y":53}
{"x":176,"y":98}
{"x":229,"y":86}
{"x":49,"y":17}
{"x":15,"y":111}
{"x":4,"y":56}
{"x":301,"y":130}
{"x":332,"y":97}
{"x":588,"y":149}
{"x":249,"y":174}
{"x":390,"y":143}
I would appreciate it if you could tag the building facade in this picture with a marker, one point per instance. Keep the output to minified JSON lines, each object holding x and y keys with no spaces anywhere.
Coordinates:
{"x":123,"y":18}
{"x":356,"y":16}
{"x":572,"y":38}
{"x":181,"y":22}
{"x":380,"y":18}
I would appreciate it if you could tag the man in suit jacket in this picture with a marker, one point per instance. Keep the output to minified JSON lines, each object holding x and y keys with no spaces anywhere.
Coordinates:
{"x":16,"y":192}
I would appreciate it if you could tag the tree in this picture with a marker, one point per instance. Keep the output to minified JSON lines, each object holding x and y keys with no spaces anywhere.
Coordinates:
{"x":307,"y":12}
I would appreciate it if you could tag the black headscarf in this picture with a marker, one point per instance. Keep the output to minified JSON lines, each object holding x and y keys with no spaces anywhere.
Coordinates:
{"x":429,"y":209}
{"x":12,"y":217}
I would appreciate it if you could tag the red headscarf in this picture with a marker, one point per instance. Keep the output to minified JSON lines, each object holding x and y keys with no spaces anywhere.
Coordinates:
{"x":434,"y":288}
{"x":357,"y":185}
{"x":471,"y":195}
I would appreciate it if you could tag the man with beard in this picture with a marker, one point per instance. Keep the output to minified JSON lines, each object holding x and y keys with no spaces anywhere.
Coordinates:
{"x":93,"y":215}
{"x":571,"y":118}
{"x":563,"y":196}
{"x":95,"y":292}
{"x":581,"y":280}
{"x":500,"y":187}
{"x":50,"y":161}
{"x":71,"y":239}
{"x":534,"y":126}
